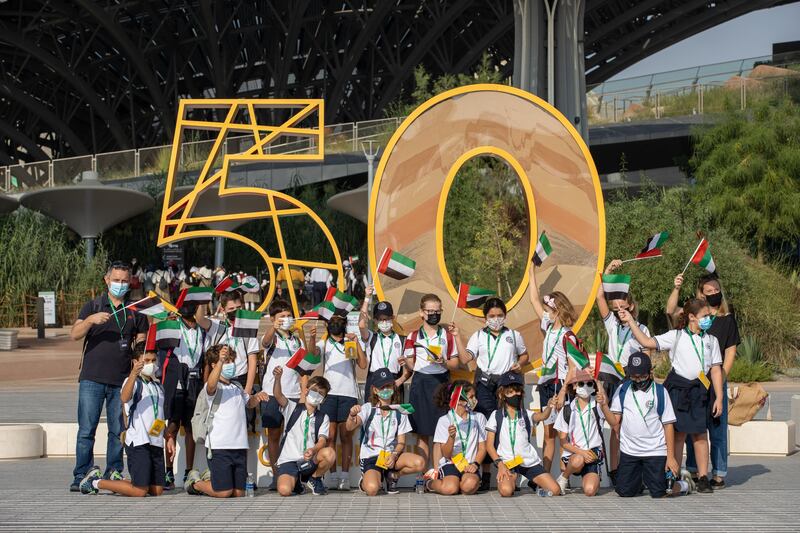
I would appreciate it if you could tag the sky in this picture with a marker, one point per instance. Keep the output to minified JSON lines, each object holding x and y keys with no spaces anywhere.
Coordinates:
{"x":748,"y":36}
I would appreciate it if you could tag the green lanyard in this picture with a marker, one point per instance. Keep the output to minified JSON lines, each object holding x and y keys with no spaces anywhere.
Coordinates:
{"x":305,"y":432}
{"x":229,"y":337}
{"x":701,"y":355}
{"x":116,"y":318}
{"x":438,"y":336}
{"x":154,"y":397}
{"x":583,"y":426}
{"x":621,"y":343}
{"x":547,"y":340}
{"x":385,"y":430}
{"x":457,"y":422}
{"x":383,"y":349}
{"x":338,"y":347}
{"x":633,"y":393}
{"x":192,"y":351}
{"x":512,"y":431}
{"x":489,"y":352}
{"x":285,"y":340}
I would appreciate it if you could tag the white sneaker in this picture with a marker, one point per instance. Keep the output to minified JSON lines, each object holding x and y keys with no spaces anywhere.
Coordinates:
{"x":332,"y":480}
{"x":343,"y":482}
{"x":563,"y":484}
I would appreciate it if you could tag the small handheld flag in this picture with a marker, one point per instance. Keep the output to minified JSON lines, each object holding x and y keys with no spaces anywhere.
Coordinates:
{"x":150,"y":342}
{"x":396,"y":265}
{"x":343,"y":301}
{"x":403,"y":408}
{"x":470,"y":297}
{"x":200,"y":295}
{"x":246,"y":324}
{"x":330,"y":294}
{"x":603,"y":364}
{"x":653,"y":246}
{"x":227,"y":284}
{"x":152,"y":305}
{"x":702,"y":256}
{"x":303,"y":361}
{"x":168,"y":334}
{"x":543,"y":249}
{"x":455,"y":396}
{"x":577,"y":354}
{"x":616,"y":286}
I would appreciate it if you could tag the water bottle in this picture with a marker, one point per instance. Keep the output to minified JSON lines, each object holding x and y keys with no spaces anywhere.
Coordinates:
{"x":250,"y":485}
{"x":419,"y":486}
{"x":544,"y":493}
{"x":670,"y":481}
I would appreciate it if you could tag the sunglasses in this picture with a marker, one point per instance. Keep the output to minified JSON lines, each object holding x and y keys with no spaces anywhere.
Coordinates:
{"x":585,"y":384}
{"x":120,"y":265}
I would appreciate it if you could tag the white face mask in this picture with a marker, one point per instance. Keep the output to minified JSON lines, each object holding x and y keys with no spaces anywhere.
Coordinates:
{"x":314,"y":398}
{"x":496,"y":323}
{"x":585,"y":391}
{"x":384,"y":326}
{"x":148,"y":370}
{"x":286,"y":323}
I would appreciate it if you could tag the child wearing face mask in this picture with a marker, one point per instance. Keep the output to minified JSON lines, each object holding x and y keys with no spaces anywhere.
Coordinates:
{"x":303,"y":454}
{"x":459,"y":443}
{"x":227,"y":438}
{"x":143,"y":402}
{"x":496,"y":350}
{"x":580,"y":429}
{"x":384,"y":428}
{"x":508,"y":439}
{"x":343,"y":394}
{"x":280,"y":342}
{"x":557,"y":316}
{"x":621,"y":344}
{"x":695,"y":381}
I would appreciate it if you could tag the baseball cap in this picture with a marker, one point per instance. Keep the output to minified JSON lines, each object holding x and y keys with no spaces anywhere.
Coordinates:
{"x":383,"y":309}
{"x":511,"y":378}
{"x":639,"y":364}
{"x":382,"y":377}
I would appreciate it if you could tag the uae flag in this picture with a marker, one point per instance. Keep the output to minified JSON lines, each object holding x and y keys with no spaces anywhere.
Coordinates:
{"x":200,"y":295}
{"x":152,"y":305}
{"x":577,"y":355}
{"x":343,"y":301}
{"x":470,"y":297}
{"x":454,"y":397}
{"x":396,"y":265}
{"x":603,"y":364}
{"x":168,"y":334}
{"x":653,"y":246}
{"x":323,"y":311}
{"x":303,"y":361}
{"x":616,"y":286}
{"x":353,"y":259}
{"x":227,"y":284}
{"x":246,"y":324}
{"x":150,"y":341}
{"x":543,"y":249}
{"x":403,"y":408}
{"x":702,"y":256}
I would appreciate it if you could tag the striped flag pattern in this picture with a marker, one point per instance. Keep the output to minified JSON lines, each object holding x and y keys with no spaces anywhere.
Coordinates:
{"x":603,"y":364}
{"x":323,"y":311}
{"x":168,"y":334}
{"x":454,"y":397}
{"x":246,"y":324}
{"x":616,"y":286}
{"x":577,"y":355}
{"x":653,"y":246}
{"x":200,"y":295}
{"x":396,"y":265}
{"x":702,"y":256}
{"x":304,"y":361}
{"x":543,"y":249}
{"x":227,"y":284}
{"x":343,"y":301}
{"x":404,"y":408}
{"x":152,"y":305}
{"x":470,"y":297}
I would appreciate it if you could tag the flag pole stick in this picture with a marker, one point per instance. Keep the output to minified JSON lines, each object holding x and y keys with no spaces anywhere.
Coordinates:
{"x":689,"y":262}
{"x":642,"y":258}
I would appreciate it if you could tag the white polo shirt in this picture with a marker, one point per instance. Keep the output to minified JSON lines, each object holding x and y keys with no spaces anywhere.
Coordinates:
{"x":689,"y":352}
{"x":229,"y":429}
{"x":149,"y":407}
{"x":553,"y":352}
{"x":641,"y":431}
{"x":382,"y":433}
{"x":220,"y":333}
{"x":422,"y":362}
{"x":522,"y":444}
{"x":582,"y":430}
{"x":385,"y":353}
{"x":338,"y":369}
{"x":472,"y":429}
{"x":299,"y":440}
{"x":290,"y":379}
{"x":190,"y":350}
{"x":496,"y":355}
{"x":621,"y":343}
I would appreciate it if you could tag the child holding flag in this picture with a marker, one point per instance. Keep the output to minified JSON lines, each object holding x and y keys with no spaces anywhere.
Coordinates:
{"x":459,"y":442}
{"x":384,"y":427}
{"x":695,"y":356}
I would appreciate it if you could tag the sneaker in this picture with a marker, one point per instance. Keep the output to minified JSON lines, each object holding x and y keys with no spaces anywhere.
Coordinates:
{"x":114,"y":475}
{"x":427,"y":485}
{"x":391,"y":483}
{"x":703,"y":486}
{"x":533,"y":486}
{"x":298,"y":487}
{"x":563,"y":484}
{"x":486,"y":482}
{"x":192,"y":477}
{"x":316,"y":486}
{"x":717,"y":484}
{"x":687,"y":477}
{"x":169,"y":480}
{"x":343,"y":482}
{"x":86,"y":486}
{"x":206,"y":475}
{"x":76,"y":486}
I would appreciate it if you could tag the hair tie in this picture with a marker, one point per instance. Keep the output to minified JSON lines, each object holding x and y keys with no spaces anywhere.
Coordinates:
{"x":550,"y":301}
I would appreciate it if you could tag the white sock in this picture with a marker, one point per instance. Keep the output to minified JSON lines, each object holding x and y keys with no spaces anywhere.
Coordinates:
{"x":95,"y":484}
{"x":683,"y":486}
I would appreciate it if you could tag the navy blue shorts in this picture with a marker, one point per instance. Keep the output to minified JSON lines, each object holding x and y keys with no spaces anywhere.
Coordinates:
{"x":547,"y":391}
{"x":184,"y":402}
{"x":634,"y":471}
{"x":145,"y":465}
{"x":487,"y":398}
{"x":337,"y":407}
{"x":371,"y":463}
{"x":450,"y":470}
{"x":290,"y":469}
{"x":590,"y":468}
{"x":228,"y":469}
{"x":529,"y":472}
{"x":271,"y":416}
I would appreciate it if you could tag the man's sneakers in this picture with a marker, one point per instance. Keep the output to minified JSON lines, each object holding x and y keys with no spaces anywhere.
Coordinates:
{"x":192,"y":477}
{"x":391,"y":483}
{"x":687,"y":477}
{"x":563,"y":484}
{"x":169,"y":480}
{"x":704,"y":486}
{"x":316,"y":486}
{"x":86,"y":485}
{"x":299,"y":488}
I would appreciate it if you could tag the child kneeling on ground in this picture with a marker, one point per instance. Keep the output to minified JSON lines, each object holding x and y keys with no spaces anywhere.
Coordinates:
{"x":508,"y":439}
{"x":143,"y":401}
{"x":303,"y":455}
{"x":227,"y":437}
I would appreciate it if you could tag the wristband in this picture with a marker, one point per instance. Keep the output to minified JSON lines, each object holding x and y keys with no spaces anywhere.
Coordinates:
{"x":497,"y":461}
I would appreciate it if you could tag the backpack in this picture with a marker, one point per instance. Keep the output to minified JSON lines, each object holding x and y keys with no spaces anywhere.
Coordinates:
{"x":498,"y":420}
{"x":203,"y":417}
{"x":623,"y":390}
{"x":373,"y":341}
{"x":368,"y":423}
{"x":128,"y":419}
{"x":411,"y":341}
{"x":294,"y":417}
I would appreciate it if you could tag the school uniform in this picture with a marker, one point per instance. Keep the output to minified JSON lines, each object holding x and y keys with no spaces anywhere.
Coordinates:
{"x":279,"y":354}
{"x":220,"y":333}
{"x":584,"y":430}
{"x":301,"y":436}
{"x":494,"y":356}
{"x":145,"y":452}
{"x":554,"y":359}
{"x":621,"y":344}
{"x":513,"y":440}
{"x":690,"y":354}
{"x":642,"y":441}
{"x":470,"y":432}
{"x":183,"y":376}
{"x":382,"y":351}
{"x":380,"y":435}
{"x":428,"y":375}
{"x":227,"y":439}
{"x":339,"y":371}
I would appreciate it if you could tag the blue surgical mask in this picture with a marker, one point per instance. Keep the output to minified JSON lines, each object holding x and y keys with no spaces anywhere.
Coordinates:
{"x":118,"y":288}
{"x":705,"y":322}
{"x":228,"y":370}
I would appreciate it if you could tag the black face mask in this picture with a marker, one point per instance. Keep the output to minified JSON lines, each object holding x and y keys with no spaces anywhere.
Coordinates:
{"x":642,"y":385}
{"x":231,"y":316}
{"x":433,"y":319}
{"x":187,"y":311}
{"x":336,"y":328}
{"x":714,"y":300}
{"x":514,"y":401}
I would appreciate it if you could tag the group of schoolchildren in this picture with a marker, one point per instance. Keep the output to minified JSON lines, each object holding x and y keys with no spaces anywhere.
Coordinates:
{"x":467,"y":432}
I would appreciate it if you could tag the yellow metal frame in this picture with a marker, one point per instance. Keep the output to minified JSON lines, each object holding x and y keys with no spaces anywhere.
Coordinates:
{"x":180,"y":214}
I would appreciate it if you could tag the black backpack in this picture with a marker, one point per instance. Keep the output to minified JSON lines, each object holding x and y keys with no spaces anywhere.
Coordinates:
{"x":373,"y":341}
{"x":294,"y":417}
{"x":499,"y":415}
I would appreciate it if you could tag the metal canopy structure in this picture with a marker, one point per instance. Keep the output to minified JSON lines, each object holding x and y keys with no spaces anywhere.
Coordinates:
{"x":89,"y":76}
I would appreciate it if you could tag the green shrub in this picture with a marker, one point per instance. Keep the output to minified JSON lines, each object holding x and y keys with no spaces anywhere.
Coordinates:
{"x":744,"y":371}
